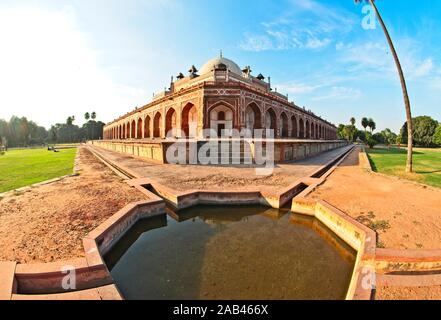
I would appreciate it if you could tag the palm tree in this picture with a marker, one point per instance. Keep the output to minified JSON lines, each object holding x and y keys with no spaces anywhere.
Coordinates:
{"x":409,"y":163}
{"x":372,"y":125}
{"x":365,"y":123}
{"x":352,"y":129}
{"x":87,"y":116}
{"x":93,"y":116}
{"x":69,"y":121}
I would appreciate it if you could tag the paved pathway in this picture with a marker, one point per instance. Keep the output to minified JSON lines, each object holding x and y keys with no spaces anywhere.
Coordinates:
{"x":187,"y":177}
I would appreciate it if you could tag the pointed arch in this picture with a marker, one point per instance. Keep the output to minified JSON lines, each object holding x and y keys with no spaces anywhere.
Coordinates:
{"x":189,"y":120}
{"x":301,"y":129}
{"x":271,"y":121}
{"x":139,"y":129}
{"x":147,"y":127}
{"x":221,"y":119}
{"x":253,"y":117}
{"x":171,"y":123}
{"x":157,"y":125}
{"x":294,"y":127}
{"x":284,"y":125}
{"x":307,"y":130}
{"x":133,"y":130}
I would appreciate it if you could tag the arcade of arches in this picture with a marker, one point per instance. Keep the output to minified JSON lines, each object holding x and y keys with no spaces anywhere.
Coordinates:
{"x":221,"y":119}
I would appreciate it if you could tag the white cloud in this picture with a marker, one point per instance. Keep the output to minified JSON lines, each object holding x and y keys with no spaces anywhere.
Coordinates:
{"x":256,"y":43}
{"x":314,"y":43}
{"x":49,"y":70}
{"x":423,"y":68}
{"x":374,"y":60}
{"x":339,"y":93}
{"x":307,"y":24}
{"x":297,"y":88}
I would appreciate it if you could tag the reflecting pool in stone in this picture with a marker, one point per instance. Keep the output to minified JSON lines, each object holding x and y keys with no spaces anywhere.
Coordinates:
{"x":251,"y":252}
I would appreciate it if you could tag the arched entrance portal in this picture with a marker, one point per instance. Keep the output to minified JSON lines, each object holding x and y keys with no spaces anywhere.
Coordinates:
{"x":157,"y":125}
{"x":301,"y":129}
{"x":190,"y":121}
{"x":139,"y":129}
{"x":147,"y":127}
{"x":308,"y":128}
{"x":170,"y":124}
{"x":133,"y":130}
{"x":284,"y":125}
{"x":294,"y":133}
{"x":221,"y":121}
{"x":271,"y":121}
{"x":253,"y":118}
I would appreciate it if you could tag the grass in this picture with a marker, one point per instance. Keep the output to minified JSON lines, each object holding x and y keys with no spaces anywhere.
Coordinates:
{"x":427,"y":164}
{"x":20,"y":168}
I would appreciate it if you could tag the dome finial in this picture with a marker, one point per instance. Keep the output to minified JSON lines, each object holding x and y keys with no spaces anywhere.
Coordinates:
{"x":221,"y":54}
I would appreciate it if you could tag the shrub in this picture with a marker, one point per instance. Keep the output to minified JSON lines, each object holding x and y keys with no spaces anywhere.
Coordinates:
{"x":371,"y":142}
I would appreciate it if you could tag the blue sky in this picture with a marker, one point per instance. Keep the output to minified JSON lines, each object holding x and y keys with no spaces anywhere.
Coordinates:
{"x":61,"y":58}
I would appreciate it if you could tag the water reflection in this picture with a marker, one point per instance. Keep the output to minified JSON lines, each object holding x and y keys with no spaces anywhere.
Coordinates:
{"x":247,"y":252}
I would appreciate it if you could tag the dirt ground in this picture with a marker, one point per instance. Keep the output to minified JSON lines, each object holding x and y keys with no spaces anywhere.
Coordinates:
{"x":48,"y":223}
{"x":404,"y":214}
{"x":187,"y":177}
{"x":408,"y":293}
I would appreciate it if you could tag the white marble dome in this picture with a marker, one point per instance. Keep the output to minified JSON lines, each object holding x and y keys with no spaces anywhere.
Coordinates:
{"x":213,"y":63}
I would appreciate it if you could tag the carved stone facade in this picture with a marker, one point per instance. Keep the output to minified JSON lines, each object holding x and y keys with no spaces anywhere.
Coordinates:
{"x":220,"y":99}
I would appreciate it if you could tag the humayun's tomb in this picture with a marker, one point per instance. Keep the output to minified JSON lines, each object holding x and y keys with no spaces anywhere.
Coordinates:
{"x":216,"y":99}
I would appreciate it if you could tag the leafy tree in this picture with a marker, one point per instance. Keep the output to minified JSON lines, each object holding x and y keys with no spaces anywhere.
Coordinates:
{"x":347,"y":132}
{"x":87,"y":116}
{"x":341,"y":131}
{"x":360,"y":135}
{"x":353,"y":121}
{"x":379,"y":138}
{"x":388,"y":136}
{"x":4,"y":133}
{"x":424,"y":131}
{"x":437,"y":136}
{"x":92,"y":130}
{"x":371,"y":142}
{"x":409,"y":162}
{"x":53,"y":134}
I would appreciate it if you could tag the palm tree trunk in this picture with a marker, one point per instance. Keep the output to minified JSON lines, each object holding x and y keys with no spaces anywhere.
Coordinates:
{"x":409,"y":163}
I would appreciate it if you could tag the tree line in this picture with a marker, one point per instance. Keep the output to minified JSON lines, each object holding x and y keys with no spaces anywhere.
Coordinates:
{"x":426,"y":133}
{"x":21,"y":132}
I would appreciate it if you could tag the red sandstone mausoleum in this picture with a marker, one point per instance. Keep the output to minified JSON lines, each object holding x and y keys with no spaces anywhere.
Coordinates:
{"x":219,"y":97}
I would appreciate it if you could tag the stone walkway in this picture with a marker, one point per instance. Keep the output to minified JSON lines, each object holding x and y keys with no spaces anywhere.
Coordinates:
{"x":404,"y":214}
{"x":188,"y":177}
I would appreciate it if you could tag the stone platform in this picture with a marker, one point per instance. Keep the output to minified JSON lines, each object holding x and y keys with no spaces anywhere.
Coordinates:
{"x":285,"y":150}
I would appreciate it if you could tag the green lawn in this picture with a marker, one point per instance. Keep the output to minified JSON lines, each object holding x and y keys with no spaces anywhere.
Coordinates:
{"x":427,"y":164}
{"x":19,"y":168}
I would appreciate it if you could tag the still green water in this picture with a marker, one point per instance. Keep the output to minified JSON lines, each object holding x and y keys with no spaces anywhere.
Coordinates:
{"x":231,"y":253}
